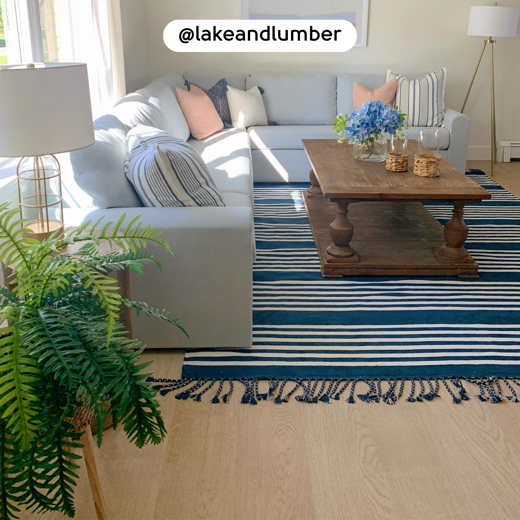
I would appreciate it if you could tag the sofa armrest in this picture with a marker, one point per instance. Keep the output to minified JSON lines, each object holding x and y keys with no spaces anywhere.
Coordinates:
{"x":207,"y":284}
{"x":458,"y":125}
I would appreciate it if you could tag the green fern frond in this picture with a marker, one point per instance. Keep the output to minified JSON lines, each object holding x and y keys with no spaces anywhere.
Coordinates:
{"x":154,"y":313}
{"x":52,"y":277}
{"x":104,"y":288}
{"x":115,"y":261}
{"x":131,"y":237}
{"x":13,"y":247}
{"x":138,"y":409}
{"x":12,"y":481}
{"x":53,"y":467}
{"x":52,"y":341}
{"x":19,"y":375}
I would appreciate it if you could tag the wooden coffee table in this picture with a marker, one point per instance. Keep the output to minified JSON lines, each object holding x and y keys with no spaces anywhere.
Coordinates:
{"x":367,"y":221}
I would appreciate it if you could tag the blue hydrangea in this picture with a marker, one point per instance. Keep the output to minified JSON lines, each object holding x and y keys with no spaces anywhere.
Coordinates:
{"x":372,"y":119}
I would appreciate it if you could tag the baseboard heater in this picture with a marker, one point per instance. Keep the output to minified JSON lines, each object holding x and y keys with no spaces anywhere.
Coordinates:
{"x":509,"y":150}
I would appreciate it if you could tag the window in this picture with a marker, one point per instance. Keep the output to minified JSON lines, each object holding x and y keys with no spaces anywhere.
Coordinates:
{"x":33,"y":31}
{"x":3,"y":46}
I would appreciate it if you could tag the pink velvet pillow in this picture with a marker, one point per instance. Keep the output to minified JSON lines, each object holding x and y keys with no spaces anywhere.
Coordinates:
{"x":386,"y":93}
{"x":199,"y":111}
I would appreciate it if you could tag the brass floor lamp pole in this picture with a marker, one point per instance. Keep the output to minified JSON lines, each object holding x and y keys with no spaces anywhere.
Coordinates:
{"x":493,"y":121}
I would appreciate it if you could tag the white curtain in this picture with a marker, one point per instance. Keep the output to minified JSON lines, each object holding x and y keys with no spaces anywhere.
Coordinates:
{"x":88,"y":31}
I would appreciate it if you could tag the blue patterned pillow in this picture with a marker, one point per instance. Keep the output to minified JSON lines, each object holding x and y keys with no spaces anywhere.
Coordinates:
{"x":217,"y":94}
{"x":168,"y":172}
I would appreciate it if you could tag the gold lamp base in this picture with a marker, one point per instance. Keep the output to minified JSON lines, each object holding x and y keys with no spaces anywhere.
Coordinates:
{"x":42,"y":230}
{"x":40,"y":197}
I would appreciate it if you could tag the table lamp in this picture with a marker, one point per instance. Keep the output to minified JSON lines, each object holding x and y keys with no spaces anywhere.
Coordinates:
{"x":491,"y":21}
{"x":45,"y":110}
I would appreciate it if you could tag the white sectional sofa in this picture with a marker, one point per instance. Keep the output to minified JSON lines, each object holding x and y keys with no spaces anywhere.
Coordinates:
{"x":209,"y":282}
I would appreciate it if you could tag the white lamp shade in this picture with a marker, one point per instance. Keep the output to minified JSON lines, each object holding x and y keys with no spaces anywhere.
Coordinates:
{"x":44,"y":110}
{"x":493,"y":21}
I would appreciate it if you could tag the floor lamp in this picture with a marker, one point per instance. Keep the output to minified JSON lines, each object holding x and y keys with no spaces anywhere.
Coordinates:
{"x":491,"y":21}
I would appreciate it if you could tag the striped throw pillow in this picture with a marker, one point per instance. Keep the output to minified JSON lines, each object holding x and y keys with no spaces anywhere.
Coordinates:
{"x":168,"y":172}
{"x":421,"y":99}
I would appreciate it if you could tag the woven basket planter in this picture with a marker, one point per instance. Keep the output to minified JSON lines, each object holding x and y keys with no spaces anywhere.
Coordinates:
{"x":397,"y":161}
{"x":427,"y":164}
{"x":84,"y":416}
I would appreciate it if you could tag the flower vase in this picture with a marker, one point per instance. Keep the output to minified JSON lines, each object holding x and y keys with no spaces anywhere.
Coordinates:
{"x":373,"y":151}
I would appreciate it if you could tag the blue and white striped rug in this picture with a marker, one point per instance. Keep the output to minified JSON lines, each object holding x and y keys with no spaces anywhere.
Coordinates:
{"x":315,"y":336}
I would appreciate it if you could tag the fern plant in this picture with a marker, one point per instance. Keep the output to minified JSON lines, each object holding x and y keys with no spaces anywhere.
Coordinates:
{"x":64,"y":347}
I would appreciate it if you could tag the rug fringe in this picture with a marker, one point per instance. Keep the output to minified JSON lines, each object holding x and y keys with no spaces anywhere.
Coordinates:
{"x":388,"y":391}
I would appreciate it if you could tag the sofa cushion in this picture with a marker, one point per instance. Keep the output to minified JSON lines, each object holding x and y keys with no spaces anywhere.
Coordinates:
{"x":160,"y":94}
{"x":167,"y":173}
{"x":297,"y":99}
{"x":200,"y":112}
{"x":99,"y":170}
{"x":236,"y":200}
{"x":218,"y":95}
{"x":345,"y":104}
{"x":174,"y":80}
{"x":246,"y":108}
{"x":422,"y":99}
{"x":134,"y":110}
{"x":287,"y":137}
{"x":207,"y":79}
{"x":413,"y":133}
{"x":385,"y":93}
{"x":228,"y":158}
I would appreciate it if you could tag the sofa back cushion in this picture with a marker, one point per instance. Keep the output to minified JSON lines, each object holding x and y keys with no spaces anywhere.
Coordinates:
{"x":174,"y":80}
{"x":206,"y":80}
{"x":99,"y":170}
{"x":160,"y":94}
{"x":297,"y":99}
{"x":346,"y":88}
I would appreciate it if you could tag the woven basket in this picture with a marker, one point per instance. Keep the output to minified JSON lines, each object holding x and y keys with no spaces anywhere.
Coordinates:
{"x":397,"y":161}
{"x":427,"y":164}
{"x":83,"y":417}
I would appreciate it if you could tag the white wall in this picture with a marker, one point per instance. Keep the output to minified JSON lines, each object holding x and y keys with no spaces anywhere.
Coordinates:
{"x":135,"y":43}
{"x":405,"y":35}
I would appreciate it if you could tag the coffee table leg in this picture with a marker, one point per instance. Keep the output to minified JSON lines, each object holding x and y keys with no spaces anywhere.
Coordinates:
{"x":455,"y":234}
{"x":341,"y":232}
{"x":314,"y":190}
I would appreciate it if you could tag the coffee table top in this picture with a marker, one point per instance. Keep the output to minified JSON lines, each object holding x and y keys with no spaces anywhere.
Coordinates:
{"x":342,"y":177}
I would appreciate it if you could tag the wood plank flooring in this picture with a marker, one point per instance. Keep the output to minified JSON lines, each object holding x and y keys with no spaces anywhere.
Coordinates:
{"x":299,"y":461}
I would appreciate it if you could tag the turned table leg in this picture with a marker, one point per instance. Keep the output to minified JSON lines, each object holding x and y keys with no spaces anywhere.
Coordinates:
{"x":341,"y":232}
{"x":314,"y":190}
{"x":455,"y":234}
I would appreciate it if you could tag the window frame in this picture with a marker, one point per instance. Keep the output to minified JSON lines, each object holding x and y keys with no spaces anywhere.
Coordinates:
{"x":23,"y":32}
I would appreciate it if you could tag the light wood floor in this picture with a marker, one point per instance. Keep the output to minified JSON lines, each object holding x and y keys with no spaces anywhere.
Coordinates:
{"x":300,"y":461}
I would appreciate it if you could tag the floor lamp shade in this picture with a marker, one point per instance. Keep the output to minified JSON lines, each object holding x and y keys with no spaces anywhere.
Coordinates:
{"x":45,"y":109}
{"x":493,"y":21}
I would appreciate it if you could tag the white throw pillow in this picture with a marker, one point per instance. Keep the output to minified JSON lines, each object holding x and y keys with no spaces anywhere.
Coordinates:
{"x":247,"y":108}
{"x":421,"y":99}
{"x":166,"y":171}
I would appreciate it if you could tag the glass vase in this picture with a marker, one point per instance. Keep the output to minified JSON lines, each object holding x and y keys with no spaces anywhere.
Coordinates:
{"x":373,"y":151}
{"x":399,"y":145}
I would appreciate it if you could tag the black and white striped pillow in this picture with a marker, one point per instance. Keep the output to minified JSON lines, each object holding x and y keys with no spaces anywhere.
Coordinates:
{"x":422,"y":100}
{"x":168,"y":172}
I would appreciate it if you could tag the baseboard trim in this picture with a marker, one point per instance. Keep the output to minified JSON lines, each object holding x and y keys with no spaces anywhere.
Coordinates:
{"x":479,"y":153}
